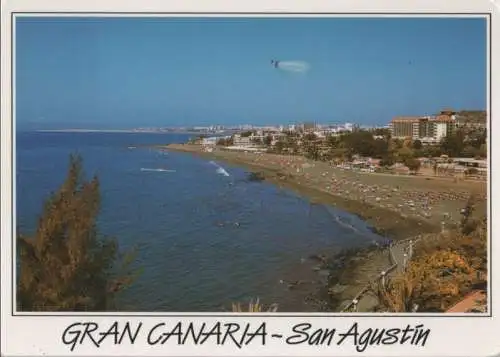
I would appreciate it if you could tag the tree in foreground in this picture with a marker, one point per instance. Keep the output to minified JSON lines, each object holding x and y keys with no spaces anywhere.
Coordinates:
{"x":65,"y":265}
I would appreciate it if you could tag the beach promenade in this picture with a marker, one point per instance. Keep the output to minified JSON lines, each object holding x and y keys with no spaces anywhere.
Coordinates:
{"x":398,"y":255}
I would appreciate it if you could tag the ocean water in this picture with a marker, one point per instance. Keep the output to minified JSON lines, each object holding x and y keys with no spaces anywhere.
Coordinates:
{"x":205,"y":235}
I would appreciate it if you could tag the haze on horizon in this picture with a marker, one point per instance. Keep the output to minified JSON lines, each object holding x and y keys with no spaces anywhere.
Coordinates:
{"x":137,"y":72}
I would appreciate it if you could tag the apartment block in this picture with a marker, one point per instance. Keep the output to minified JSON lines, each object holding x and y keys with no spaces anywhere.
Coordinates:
{"x":427,"y":129}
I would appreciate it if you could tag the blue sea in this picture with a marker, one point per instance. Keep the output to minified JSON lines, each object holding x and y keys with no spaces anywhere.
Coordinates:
{"x":205,"y":235}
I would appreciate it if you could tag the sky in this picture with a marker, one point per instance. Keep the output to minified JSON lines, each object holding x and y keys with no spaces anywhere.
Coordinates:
{"x":138,"y":72}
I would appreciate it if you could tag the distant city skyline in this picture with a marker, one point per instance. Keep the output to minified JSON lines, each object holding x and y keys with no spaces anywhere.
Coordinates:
{"x":83,"y":72}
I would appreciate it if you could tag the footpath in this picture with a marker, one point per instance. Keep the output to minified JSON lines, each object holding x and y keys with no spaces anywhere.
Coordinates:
{"x":398,"y":255}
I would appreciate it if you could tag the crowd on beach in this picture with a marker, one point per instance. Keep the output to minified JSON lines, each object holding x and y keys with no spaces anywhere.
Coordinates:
{"x":436,"y":200}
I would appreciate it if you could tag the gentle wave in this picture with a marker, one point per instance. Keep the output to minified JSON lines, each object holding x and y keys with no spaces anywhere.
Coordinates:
{"x":157,"y":170}
{"x":220,"y":170}
{"x":341,"y":222}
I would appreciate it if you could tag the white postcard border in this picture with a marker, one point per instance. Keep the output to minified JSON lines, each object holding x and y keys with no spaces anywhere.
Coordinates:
{"x":42,"y":334}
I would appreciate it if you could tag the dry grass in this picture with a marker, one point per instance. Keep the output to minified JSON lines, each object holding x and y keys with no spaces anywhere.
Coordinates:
{"x":254,"y":307}
{"x":398,"y":295}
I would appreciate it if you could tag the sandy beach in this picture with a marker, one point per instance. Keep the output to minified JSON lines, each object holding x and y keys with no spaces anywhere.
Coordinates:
{"x":396,"y":206}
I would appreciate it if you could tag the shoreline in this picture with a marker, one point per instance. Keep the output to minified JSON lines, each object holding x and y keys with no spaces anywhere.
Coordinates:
{"x":389,"y":216}
{"x":391,"y":205}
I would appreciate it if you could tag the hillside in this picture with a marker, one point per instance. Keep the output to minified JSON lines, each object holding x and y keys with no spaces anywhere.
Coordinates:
{"x":472,"y":116}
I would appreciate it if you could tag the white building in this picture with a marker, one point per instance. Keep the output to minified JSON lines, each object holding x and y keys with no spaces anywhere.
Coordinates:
{"x":209,"y":141}
{"x":348,"y":126}
{"x":241,"y":141}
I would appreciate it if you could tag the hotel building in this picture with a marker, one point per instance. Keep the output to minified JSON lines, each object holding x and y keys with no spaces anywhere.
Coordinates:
{"x":427,"y":129}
